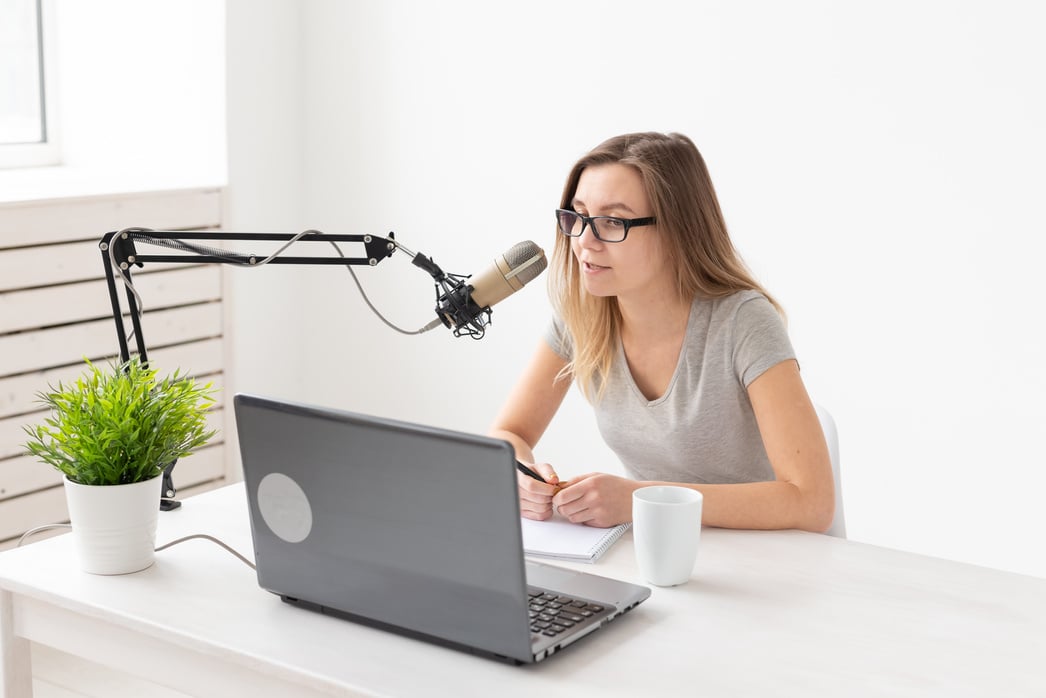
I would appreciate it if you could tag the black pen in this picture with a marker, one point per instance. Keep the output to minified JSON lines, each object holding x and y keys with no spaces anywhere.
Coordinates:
{"x":527,"y":471}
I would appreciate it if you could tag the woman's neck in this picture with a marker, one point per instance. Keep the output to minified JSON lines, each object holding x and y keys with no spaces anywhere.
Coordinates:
{"x":653,"y":318}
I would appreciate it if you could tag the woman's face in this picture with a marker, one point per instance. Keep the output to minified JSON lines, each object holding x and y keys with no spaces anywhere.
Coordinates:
{"x":633,"y":268}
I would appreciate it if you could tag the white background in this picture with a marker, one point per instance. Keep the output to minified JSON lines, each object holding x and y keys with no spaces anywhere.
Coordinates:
{"x":880,"y":165}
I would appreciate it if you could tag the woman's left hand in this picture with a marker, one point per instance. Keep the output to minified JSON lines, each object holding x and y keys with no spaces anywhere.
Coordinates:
{"x":597,"y":499}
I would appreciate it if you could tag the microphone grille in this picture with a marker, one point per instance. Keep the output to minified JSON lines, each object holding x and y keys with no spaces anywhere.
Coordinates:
{"x":520,"y":254}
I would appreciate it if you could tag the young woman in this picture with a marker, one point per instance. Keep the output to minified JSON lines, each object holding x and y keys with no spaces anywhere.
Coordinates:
{"x":684,"y":357}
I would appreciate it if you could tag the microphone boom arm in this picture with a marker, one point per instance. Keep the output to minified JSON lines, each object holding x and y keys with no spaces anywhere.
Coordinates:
{"x":119,"y":254}
{"x":119,"y":248}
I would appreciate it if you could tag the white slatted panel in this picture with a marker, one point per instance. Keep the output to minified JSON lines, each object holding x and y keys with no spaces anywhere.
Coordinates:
{"x":55,"y":311}
{"x":58,"y":305}
{"x":34,"y":267}
{"x":23,"y":513}
{"x":88,"y":218}
{"x":55,"y":346}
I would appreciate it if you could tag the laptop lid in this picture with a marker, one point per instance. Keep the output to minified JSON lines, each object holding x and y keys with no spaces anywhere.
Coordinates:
{"x":401,"y":526}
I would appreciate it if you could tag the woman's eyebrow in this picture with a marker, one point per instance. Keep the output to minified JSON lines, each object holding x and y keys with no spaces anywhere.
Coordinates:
{"x":616,"y":206}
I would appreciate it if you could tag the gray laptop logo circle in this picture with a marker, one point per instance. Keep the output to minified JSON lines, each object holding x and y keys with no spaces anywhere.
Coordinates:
{"x":284,"y":507}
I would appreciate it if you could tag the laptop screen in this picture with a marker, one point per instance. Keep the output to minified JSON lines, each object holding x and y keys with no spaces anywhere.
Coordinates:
{"x":403,"y":525}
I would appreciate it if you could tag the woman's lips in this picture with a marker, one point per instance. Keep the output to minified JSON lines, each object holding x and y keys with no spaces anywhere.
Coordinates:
{"x":592,"y":268}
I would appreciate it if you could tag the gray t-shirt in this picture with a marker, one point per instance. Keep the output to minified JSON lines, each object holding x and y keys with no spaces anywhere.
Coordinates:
{"x":702,"y":429}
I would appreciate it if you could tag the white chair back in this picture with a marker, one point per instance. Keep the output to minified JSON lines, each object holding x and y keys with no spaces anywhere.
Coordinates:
{"x":831,"y":435}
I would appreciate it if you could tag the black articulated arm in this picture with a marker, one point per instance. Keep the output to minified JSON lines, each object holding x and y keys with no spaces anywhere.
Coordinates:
{"x":122,"y":250}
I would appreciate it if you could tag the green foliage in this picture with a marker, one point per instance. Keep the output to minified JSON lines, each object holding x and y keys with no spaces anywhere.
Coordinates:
{"x":120,"y":425}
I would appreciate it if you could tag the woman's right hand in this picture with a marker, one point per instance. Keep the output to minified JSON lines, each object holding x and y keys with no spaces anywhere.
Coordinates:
{"x":535,"y":498}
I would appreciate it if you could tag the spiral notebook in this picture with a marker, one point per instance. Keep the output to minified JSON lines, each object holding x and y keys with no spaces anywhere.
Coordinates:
{"x":558,"y":538}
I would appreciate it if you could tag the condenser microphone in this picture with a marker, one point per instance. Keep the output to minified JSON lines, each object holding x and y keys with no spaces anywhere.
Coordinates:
{"x":465,"y":308}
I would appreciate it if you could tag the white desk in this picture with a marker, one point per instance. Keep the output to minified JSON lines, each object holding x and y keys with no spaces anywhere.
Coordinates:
{"x":767,"y":613}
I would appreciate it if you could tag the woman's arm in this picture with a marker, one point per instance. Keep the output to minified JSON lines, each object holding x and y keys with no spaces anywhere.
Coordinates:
{"x":524,"y":418}
{"x":802,"y":496}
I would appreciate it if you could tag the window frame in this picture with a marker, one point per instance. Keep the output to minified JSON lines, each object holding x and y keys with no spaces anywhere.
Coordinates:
{"x":48,"y":152}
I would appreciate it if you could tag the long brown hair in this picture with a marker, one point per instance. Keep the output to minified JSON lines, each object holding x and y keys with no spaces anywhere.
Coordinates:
{"x":691,"y":225}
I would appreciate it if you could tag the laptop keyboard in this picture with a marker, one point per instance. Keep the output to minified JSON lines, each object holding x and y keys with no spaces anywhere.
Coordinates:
{"x":551,"y":614}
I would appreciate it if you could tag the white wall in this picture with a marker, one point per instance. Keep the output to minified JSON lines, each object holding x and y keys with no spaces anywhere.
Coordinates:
{"x":141,"y":93}
{"x":265,"y":107}
{"x":880,"y":166}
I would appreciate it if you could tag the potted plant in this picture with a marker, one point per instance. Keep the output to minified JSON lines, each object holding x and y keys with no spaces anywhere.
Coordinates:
{"x":112,"y":433}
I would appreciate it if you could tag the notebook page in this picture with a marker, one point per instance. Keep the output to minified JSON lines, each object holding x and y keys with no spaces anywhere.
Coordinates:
{"x":558,"y":538}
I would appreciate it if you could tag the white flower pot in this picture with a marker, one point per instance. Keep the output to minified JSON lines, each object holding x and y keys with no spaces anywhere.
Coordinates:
{"x":114,"y":526}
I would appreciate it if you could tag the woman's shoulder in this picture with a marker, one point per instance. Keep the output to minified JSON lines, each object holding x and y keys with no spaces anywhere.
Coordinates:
{"x":729,"y":305}
{"x":559,"y":338}
{"x":738,"y":314}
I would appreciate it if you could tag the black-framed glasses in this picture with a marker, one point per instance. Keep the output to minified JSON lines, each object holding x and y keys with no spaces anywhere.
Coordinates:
{"x":605,"y":228}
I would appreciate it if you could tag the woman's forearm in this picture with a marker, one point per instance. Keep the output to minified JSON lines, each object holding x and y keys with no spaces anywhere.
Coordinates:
{"x":524,"y":452}
{"x":763,"y":505}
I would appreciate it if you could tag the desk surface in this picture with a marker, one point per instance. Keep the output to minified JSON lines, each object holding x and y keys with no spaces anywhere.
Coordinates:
{"x":767,"y":613}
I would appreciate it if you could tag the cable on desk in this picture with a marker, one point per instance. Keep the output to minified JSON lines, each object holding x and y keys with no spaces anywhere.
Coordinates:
{"x":38,"y":529}
{"x":213,"y":540}
{"x":46,"y":527}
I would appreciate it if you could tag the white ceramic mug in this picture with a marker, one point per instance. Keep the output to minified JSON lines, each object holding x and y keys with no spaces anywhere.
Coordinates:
{"x":666,"y":525}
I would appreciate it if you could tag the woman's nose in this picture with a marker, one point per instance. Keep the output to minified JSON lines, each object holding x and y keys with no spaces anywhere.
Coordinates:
{"x":588,"y":237}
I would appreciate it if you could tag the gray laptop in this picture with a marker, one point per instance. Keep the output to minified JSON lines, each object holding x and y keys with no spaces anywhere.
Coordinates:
{"x":407,"y":528}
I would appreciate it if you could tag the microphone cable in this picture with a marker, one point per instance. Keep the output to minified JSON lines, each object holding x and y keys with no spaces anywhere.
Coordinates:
{"x":435,"y":323}
{"x":201,"y":536}
{"x":204,"y":536}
